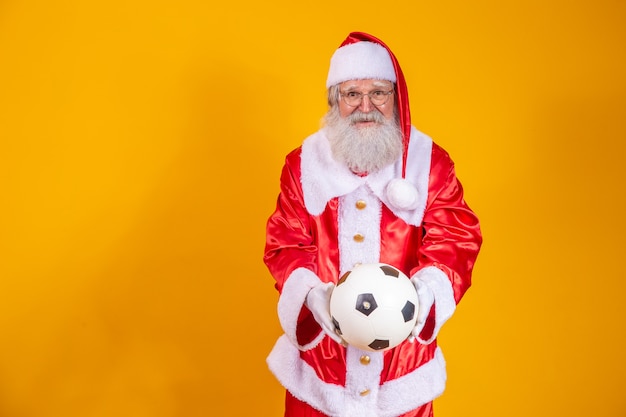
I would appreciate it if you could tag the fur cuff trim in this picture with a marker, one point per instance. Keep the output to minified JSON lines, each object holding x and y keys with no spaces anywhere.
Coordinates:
{"x":291,"y":300}
{"x":445,"y":305}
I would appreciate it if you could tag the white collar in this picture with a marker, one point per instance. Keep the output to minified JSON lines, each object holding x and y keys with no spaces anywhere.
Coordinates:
{"x":323,"y":178}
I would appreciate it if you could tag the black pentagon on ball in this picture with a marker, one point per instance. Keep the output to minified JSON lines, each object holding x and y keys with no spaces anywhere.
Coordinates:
{"x":337,"y":327}
{"x":390,"y":271}
{"x":365,"y":303}
{"x":408,"y":311}
{"x":343,"y":278}
{"x":379,"y":344}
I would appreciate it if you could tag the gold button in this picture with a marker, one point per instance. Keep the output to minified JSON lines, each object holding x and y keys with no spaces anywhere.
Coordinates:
{"x":365,"y":360}
{"x":359,"y":237}
{"x":361,"y":204}
{"x":364,"y":392}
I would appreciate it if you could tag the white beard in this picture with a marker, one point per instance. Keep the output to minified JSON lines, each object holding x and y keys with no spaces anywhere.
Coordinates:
{"x":367,"y":149}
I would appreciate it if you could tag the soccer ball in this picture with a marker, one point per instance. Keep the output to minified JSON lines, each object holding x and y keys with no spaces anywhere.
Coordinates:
{"x":374,"y":307}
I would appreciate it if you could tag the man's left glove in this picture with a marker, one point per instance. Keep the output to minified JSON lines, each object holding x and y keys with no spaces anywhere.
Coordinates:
{"x":318,"y":301}
{"x":426,"y":299}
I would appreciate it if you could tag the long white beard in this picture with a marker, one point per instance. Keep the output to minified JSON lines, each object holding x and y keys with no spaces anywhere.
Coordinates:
{"x":366,"y":149}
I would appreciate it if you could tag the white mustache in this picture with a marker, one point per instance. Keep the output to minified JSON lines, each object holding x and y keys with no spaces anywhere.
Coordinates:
{"x":358,"y":117}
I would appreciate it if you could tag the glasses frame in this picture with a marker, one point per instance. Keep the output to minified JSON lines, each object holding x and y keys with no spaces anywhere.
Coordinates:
{"x":361,"y":95}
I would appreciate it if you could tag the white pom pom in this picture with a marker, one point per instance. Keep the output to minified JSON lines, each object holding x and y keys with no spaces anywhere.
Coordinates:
{"x":402,"y":194}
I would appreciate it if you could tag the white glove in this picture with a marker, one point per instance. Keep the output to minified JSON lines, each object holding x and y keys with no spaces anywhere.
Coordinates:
{"x":318,"y":301}
{"x":425,"y":299}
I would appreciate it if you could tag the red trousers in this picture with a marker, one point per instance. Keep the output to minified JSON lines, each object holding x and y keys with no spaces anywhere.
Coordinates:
{"x":297,"y":408}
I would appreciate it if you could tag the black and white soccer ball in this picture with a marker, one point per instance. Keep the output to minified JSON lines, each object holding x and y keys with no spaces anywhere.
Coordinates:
{"x":374,"y":307}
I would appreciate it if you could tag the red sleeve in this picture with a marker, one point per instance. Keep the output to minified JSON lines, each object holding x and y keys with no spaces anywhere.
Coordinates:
{"x":452,"y":236}
{"x":289,"y":241}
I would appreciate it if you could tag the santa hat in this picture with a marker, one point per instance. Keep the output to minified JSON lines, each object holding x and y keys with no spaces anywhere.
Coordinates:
{"x":363,"y":56}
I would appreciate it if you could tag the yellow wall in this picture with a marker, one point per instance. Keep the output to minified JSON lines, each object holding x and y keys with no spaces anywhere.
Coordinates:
{"x":140,"y":148}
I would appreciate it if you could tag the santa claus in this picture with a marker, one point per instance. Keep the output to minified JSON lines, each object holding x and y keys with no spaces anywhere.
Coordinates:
{"x":368,"y":187}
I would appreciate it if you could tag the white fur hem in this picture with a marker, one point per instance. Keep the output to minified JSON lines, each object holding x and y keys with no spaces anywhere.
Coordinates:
{"x":393,"y":398}
{"x":445,"y":305}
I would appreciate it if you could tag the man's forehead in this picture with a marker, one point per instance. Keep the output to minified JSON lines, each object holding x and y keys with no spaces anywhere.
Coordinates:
{"x":351,"y":84}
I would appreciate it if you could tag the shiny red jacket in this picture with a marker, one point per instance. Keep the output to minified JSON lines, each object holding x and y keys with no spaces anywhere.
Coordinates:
{"x":309,"y":240}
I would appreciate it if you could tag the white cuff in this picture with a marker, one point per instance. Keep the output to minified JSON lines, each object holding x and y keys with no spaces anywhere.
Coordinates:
{"x":445,"y":304}
{"x":291,"y":301}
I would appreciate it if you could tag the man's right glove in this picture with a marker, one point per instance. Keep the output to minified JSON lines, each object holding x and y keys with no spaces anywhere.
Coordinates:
{"x":318,"y":301}
{"x":426,"y":299}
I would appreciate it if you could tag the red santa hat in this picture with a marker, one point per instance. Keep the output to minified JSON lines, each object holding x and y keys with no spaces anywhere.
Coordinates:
{"x":363,"y":56}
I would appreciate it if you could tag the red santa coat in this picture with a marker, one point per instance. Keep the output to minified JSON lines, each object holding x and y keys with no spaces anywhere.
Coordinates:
{"x":326,"y":221}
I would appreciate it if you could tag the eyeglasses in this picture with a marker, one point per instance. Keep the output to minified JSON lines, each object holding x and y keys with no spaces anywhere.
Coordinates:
{"x":377,"y":97}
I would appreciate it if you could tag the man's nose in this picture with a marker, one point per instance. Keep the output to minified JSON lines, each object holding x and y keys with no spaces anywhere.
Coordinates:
{"x":366,"y":105}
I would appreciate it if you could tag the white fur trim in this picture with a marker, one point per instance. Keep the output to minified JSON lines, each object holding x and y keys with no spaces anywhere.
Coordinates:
{"x":323,"y":178}
{"x":360,"y":61}
{"x":410,"y":391}
{"x":352,"y":221}
{"x":393,"y":398}
{"x":291,"y":300}
{"x":445,"y":305}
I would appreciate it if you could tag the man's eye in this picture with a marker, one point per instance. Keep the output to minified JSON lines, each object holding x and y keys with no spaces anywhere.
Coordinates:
{"x":377,"y":94}
{"x":353,"y":94}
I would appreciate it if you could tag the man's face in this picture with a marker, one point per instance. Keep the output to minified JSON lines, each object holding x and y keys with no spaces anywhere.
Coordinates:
{"x":362,"y":134}
{"x":366,"y":106}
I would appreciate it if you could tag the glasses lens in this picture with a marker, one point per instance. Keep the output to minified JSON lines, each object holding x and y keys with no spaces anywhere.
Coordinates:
{"x":352,"y":98}
{"x":379,"y":97}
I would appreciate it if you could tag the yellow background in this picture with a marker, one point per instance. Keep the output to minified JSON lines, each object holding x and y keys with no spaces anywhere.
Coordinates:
{"x":141,"y":144}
